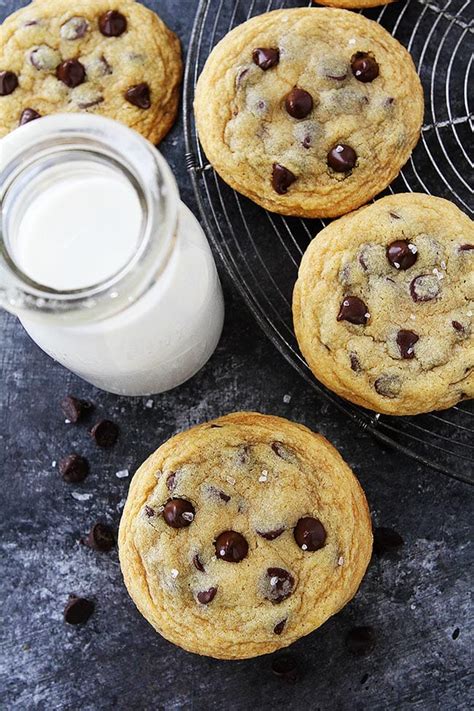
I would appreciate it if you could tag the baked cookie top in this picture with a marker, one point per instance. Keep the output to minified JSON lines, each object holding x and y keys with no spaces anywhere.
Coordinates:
{"x":309,"y":111}
{"x":384,"y":302}
{"x":113,"y":57}
{"x":243,"y":534}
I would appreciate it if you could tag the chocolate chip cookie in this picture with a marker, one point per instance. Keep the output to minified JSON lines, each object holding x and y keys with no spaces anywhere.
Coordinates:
{"x":384,"y":302}
{"x":309,"y":111}
{"x":116,"y":58}
{"x":353,"y":4}
{"x":243,"y":534}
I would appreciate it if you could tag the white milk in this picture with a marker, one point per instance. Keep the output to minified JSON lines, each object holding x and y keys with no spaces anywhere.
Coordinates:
{"x":74,"y":224}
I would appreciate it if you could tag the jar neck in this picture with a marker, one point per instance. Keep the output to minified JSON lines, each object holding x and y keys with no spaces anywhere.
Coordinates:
{"x":55,"y":147}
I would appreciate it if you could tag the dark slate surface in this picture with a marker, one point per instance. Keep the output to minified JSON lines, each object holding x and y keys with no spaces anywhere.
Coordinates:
{"x":417,"y":599}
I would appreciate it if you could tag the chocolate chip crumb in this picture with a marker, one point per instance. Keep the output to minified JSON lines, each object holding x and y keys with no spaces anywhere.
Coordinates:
{"x":104,"y":433}
{"x":74,"y":468}
{"x":75,"y":409}
{"x":100,"y":537}
{"x":455,"y":634}
{"x":360,"y":640}
{"x":78,"y":610}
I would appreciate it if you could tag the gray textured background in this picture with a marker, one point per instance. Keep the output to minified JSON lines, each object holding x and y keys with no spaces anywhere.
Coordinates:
{"x":415,"y":599}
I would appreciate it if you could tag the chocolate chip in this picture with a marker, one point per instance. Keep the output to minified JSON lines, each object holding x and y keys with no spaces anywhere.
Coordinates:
{"x":458,"y":326}
{"x":74,"y":409}
{"x":8,"y":83}
{"x":466,"y":247}
{"x":386,"y":540}
{"x":364,"y":67}
{"x":394,"y":216}
{"x":265,"y":57}
{"x":231,"y":546}
{"x":388,"y":385}
{"x":112,"y":24}
{"x":342,"y":158}
{"x":71,"y":72}
{"x":279,"y":585}
{"x":406,"y":342}
{"x":279,"y":627}
{"x":299,"y":103}
{"x":105,"y":433}
{"x":149,"y":511}
{"x":424,"y":287}
{"x":197,"y":564}
{"x":310,"y":533}
{"x":285,"y":667}
{"x":401,"y":254}
{"x":353,"y":310}
{"x":360,"y":640}
{"x":28,"y":115}
{"x":178,"y":513}
{"x":139,"y":95}
{"x":206,"y":596}
{"x":74,"y":29}
{"x":455,"y":633}
{"x":282,"y":178}
{"x":224,"y":497}
{"x":271,"y":535}
{"x":100,"y":537}
{"x":74,"y":468}
{"x":355,"y":363}
{"x":171,"y":481}
{"x":78,"y":610}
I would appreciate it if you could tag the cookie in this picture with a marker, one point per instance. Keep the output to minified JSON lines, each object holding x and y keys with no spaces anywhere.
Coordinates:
{"x":310,"y":111}
{"x":353,"y":4}
{"x":384,"y":302}
{"x":112,"y":57}
{"x":243,"y":534}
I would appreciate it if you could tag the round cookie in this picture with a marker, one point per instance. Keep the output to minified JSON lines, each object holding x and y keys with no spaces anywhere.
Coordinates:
{"x":383,"y":305}
{"x":243,"y":534}
{"x":353,"y":4}
{"x":309,"y":111}
{"x":112,"y":57}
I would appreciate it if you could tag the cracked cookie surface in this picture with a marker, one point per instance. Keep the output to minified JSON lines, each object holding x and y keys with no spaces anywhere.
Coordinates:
{"x":243,"y":534}
{"x":115,"y":58}
{"x":384,"y":302}
{"x":309,"y":111}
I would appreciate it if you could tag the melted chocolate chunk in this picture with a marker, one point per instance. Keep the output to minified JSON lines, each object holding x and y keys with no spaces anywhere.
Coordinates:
{"x":271,"y":535}
{"x":342,"y":158}
{"x":386,"y":540}
{"x":28,"y":115}
{"x":424,"y":287}
{"x":74,"y":468}
{"x":149,"y":511}
{"x":406,"y":343}
{"x":100,"y":537}
{"x":279,"y":627}
{"x":71,"y":72}
{"x":458,"y":326}
{"x":355,"y":363}
{"x":279,"y":585}
{"x":206,"y":596}
{"x":388,"y":385}
{"x":364,"y":67}
{"x":197,"y":564}
{"x":74,"y":409}
{"x":171,"y":481}
{"x":231,"y":546}
{"x":353,"y":310}
{"x":282,"y":178}
{"x":266,"y":57}
{"x":360,"y":640}
{"x":299,"y":103}
{"x":178,"y":513}
{"x":112,"y":24}
{"x":401,"y":254}
{"x":105,"y":433}
{"x":8,"y":83}
{"x":78,"y":610}
{"x":466,"y":247}
{"x":310,"y":534}
{"x":139,"y":95}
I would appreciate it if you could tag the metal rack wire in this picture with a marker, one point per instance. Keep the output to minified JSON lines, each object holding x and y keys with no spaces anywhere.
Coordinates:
{"x":262,"y":251}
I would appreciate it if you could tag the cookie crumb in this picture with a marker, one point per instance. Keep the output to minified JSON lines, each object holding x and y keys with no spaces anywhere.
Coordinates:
{"x":174,"y":573}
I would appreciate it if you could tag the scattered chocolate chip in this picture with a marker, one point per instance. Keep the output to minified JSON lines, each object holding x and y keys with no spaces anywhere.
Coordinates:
{"x":71,"y":72}
{"x":74,"y":29}
{"x":206,"y":596}
{"x":310,"y":533}
{"x":279,"y":627}
{"x":265,"y":57}
{"x":458,"y":326}
{"x":342,"y":158}
{"x":285,"y":667}
{"x":406,"y":343}
{"x":112,"y":24}
{"x":171,"y":481}
{"x":466,"y":247}
{"x":178,"y":513}
{"x":364,"y":67}
{"x":455,"y":634}
{"x":74,"y":468}
{"x":78,"y":610}
{"x":353,"y":310}
{"x":139,"y":95}
{"x":104,"y":433}
{"x":360,"y":640}
{"x":231,"y":546}
{"x":74,"y":409}
{"x":28,"y":115}
{"x":197,"y":564}
{"x":388,"y":385}
{"x":100,"y":537}
{"x":299,"y":103}
{"x":279,"y":585}
{"x":424,"y":287}
{"x":8,"y":83}
{"x":149,"y":511}
{"x":355,"y":363}
{"x":386,"y":540}
{"x":271,"y":535}
{"x":282,"y":178}
{"x":401,"y":254}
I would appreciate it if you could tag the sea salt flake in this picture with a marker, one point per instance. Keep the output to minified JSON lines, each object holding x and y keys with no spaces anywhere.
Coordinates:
{"x":413,"y":317}
{"x":438,"y":274}
{"x":286,"y":399}
{"x":351,"y":42}
{"x":81,"y":497}
{"x":443,"y":265}
{"x":122,"y":474}
{"x":174,"y":573}
{"x":469,"y":313}
{"x":340,"y":560}
{"x":53,"y":463}
{"x":396,"y":265}
{"x":149,"y":404}
{"x":367,"y":315}
{"x":67,"y":422}
{"x":304,"y":547}
{"x":120,"y":505}
{"x":263,"y":476}
{"x":188,"y":516}
{"x":274,"y":580}
{"x":230,"y":480}
{"x":412,"y":248}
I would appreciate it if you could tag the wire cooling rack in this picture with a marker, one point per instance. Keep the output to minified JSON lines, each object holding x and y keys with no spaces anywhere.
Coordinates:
{"x":262,"y":250}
